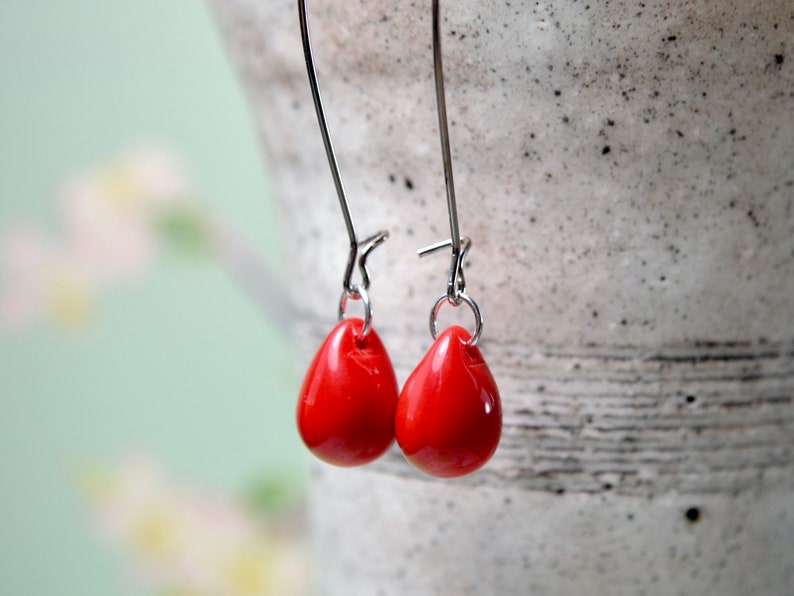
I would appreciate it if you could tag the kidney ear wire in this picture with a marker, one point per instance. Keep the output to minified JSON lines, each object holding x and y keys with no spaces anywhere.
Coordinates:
{"x":359,"y":249}
{"x":456,"y":281}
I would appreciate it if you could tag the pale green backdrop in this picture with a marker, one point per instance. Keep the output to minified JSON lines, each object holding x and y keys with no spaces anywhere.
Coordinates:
{"x":180,"y":364}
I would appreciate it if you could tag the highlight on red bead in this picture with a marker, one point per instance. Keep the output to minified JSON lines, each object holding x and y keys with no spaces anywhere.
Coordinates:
{"x":347,"y":402}
{"x":449,"y":414}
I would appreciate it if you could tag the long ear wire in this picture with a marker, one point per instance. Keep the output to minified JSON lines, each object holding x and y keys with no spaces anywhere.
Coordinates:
{"x":456,"y":281}
{"x":359,"y":250}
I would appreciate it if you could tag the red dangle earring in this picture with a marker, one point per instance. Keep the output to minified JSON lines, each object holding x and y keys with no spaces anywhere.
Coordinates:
{"x":346,"y":407}
{"x":449,"y":415}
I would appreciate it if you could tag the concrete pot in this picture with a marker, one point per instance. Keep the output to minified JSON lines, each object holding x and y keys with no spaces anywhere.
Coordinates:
{"x":626,"y":172}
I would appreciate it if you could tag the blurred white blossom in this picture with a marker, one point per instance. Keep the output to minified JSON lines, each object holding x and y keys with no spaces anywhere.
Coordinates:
{"x":185,"y":542}
{"x":110,"y":228}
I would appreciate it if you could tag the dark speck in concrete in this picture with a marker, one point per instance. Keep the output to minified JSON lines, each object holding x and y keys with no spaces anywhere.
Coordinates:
{"x":409,"y":184}
{"x":692,"y":514}
{"x":606,"y":150}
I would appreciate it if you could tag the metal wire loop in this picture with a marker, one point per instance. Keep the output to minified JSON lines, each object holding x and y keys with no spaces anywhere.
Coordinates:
{"x":456,"y":281}
{"x":359,"y":250}
{"x":358,"y":293}
{"x":478,"y":320}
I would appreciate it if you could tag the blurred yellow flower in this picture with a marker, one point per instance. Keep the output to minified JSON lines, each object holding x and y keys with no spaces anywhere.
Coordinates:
{"x":190,"y":544}
{"x":250,"y":572}
{"x":69,"y":299}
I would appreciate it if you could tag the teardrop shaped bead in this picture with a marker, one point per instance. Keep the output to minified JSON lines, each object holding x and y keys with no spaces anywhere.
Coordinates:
{"x":348,"y":398}
{"x":449,"y":415}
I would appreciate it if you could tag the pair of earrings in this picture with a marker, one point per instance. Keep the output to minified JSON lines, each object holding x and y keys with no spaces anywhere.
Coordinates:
{"x":447,"y":419}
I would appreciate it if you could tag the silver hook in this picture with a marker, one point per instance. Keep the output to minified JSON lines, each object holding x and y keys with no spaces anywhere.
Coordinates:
{"x":456,"y":281}
{"x":364,"y":247}
{"x":454,"y":289}
{"x":456,"y":286}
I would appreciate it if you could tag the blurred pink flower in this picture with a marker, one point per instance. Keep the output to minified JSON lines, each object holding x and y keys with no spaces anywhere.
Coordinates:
{"x":109,"y":233}
{"x":110,"y":216}
{"x":112,"y":225}
{"x":114,"y":244}
{"x":24,"y":256}
{"x":158,"y":176}
{"x":181,"y":541}
{"x":23,"y":248}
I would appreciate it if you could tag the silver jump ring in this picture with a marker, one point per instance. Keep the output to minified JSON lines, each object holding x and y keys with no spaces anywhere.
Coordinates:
{"x":478,"y":321}
{"x":358,"y":293}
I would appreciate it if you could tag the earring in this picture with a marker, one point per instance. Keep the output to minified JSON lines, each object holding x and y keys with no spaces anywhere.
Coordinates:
{"x":449,"y":415}
{"x":346,"y":407}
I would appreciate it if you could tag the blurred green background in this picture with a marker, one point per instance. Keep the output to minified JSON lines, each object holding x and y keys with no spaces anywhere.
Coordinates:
{"x":180,"y":364}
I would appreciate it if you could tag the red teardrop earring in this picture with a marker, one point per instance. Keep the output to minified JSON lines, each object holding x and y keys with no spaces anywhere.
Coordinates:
{"x":449,"y":414}
{"x":346,"y":407}
{"x":347,"y":402}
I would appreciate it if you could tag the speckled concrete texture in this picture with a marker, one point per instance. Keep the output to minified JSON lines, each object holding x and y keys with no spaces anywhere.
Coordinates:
{"x":626,"y":172}
{"x":411,"y":538}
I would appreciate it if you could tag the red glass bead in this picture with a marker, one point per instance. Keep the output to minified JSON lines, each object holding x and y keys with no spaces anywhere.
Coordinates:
{"x":449,"y":416}
{"x":348,"y":398}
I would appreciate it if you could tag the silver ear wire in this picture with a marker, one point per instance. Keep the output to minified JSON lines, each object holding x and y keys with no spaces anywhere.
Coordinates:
{"x":456,"y":281}
{"x":360,"y":249}
{"x":456,"y":265}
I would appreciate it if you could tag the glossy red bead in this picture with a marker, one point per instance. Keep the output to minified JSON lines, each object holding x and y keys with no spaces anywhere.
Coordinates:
{"x":348,"y":399}
{"x":449,"y":415}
